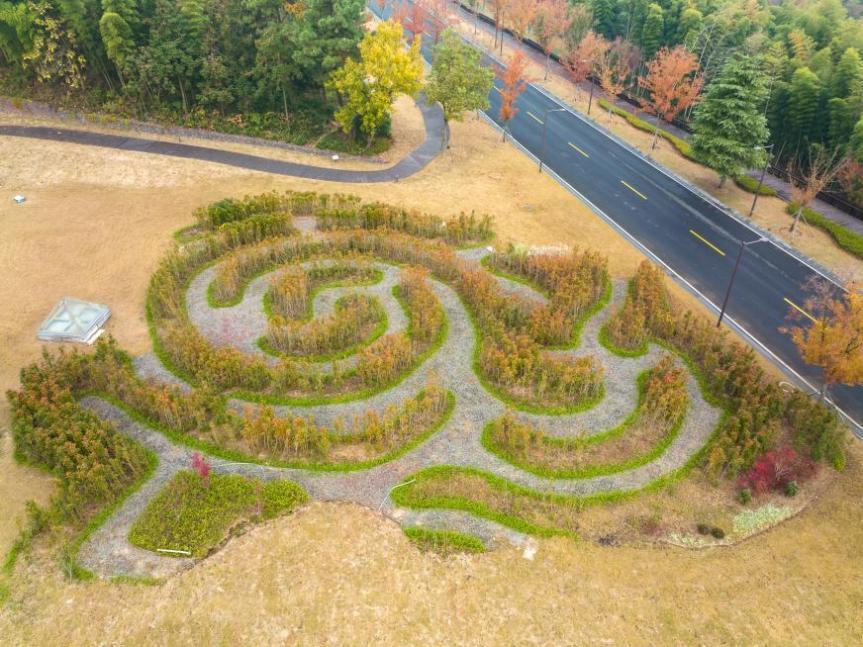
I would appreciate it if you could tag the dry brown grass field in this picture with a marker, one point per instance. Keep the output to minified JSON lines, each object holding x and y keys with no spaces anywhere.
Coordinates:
{"x":94,"y":226}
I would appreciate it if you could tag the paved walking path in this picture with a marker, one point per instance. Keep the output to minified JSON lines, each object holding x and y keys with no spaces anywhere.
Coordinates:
{"x":437,"y":134}
{"x":108,"y":551}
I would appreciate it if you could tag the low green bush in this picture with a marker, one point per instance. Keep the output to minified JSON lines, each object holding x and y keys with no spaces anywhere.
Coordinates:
{"x":197,"y":514}
{"x":444,"y":542}
{"x":847,"y":239}
{"x":750,"y":184}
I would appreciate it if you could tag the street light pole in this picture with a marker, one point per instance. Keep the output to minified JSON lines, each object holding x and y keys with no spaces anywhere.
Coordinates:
{"x":548,"y":111}
{"x":743,"y":246}
{"x":761,"y":179}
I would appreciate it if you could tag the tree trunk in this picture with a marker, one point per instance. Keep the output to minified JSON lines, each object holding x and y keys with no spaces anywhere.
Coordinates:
{"x":655,"y":134}
{"x":285,"y":104}
{"x":722,"y":179}
{"x":183,"y":96}
{"x":797,"y":215}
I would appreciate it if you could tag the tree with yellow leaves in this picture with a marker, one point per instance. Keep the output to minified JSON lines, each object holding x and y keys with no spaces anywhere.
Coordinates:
{"x":369,"y":87}
{"x":834,"y":339}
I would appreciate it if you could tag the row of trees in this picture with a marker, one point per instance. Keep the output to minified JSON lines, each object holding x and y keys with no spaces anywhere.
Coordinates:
{"x":790,"y":75}
{"x":179,"y":56}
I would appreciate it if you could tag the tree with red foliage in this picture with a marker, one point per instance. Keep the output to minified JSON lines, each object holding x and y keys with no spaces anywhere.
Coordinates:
{"x":515,"y":81}
{"x":775,"y":470}
{"x":616,"y":66}
{"x":552,"y":20}
{"x":412,"y":16}
{"x":522,"y":13}
{"x":584,"y":59}
{"x":673,"y":85}
{"x":202,"y":468}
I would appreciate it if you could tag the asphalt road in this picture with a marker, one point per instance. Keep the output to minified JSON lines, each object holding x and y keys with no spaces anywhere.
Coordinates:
{"x":689,"y":234}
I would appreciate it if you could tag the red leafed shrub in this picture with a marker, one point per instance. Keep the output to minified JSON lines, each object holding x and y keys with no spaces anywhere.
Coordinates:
{"x":201,"y":467}
{"x":774,"y":470}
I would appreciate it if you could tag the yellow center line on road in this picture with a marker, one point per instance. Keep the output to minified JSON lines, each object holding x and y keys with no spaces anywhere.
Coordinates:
{"x":534,"y":117}
{"x":579,"y":150}
{"x":707,"y":242}
{"x":634,"y":190}
{"x":799,"y":309}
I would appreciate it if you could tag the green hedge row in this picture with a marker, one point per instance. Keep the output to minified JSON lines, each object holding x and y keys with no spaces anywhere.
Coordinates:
{"x":847,"y":239}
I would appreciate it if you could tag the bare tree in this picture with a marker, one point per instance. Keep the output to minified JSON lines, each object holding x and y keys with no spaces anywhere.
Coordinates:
{"x":807,"y":183}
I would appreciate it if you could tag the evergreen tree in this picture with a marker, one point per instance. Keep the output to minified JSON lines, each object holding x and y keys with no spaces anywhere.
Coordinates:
{"x":848,"y":74}
{"x":803,"y":123}
{"x":857,"y":141}
{"x":326,"y":34}
{"x":691,"y":21}
{"x":729,"y":125}
{"x":651,"y":34}
{"x":604,"y":17}
{"x":841,"y":119}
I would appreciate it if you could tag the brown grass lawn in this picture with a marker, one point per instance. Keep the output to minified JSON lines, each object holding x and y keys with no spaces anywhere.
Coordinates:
{"x":94,"y":226}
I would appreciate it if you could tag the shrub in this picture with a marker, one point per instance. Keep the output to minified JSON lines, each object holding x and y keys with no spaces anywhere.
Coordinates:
{"x":815,"y":430}
{"x":289,"y":293}
{"x":744,"y":495}
{"x":717,"y":532}
{"x":93,"y":463}
{"x":774,"y":470}
{"x":190,"y":515}
{"x":231,"y":210}
{"x":703,"y":528}
{"x":461,"y":230}
{"x":847,"y":239}
{"x":353,"y":320}
{"x":750,"y":184}
{"x":730,"y":372}
{"x":791,"y":489}
{"x":426,"y":314}
{"x":384,"y":359}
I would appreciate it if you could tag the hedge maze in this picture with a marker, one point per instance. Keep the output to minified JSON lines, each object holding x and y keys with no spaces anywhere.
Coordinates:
{"x":360,"y":352}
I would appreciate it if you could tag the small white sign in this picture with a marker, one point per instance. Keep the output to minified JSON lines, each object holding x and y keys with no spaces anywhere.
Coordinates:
{"x":19,"y":199}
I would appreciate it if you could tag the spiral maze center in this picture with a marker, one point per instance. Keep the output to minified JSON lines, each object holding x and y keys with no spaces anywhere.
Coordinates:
{"x":377,"y":357}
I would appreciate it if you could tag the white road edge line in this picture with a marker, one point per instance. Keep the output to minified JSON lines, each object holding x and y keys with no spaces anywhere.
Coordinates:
{"x":764,"y":350}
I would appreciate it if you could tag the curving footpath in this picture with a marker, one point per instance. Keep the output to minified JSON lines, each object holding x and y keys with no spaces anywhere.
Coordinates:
{"x":458,"y":442}
{"x":437,"y":134}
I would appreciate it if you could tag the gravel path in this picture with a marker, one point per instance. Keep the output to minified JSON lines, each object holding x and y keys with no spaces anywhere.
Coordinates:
{"x":457,"y":443}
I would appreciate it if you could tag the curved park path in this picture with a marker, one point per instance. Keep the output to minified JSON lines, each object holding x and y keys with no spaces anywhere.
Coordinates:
{"x":436,"y":135}
{"x":458,"y":442}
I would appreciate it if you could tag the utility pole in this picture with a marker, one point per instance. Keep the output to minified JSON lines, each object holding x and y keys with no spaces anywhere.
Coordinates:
{"x":743,"y":246}
{"x":761,"y":179}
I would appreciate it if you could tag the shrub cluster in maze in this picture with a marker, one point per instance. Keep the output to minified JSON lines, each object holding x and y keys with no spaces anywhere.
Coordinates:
{"x":755,"y":405}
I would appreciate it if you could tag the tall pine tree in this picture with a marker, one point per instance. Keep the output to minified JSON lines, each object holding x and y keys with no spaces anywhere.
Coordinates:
{"x":730,"y":128}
